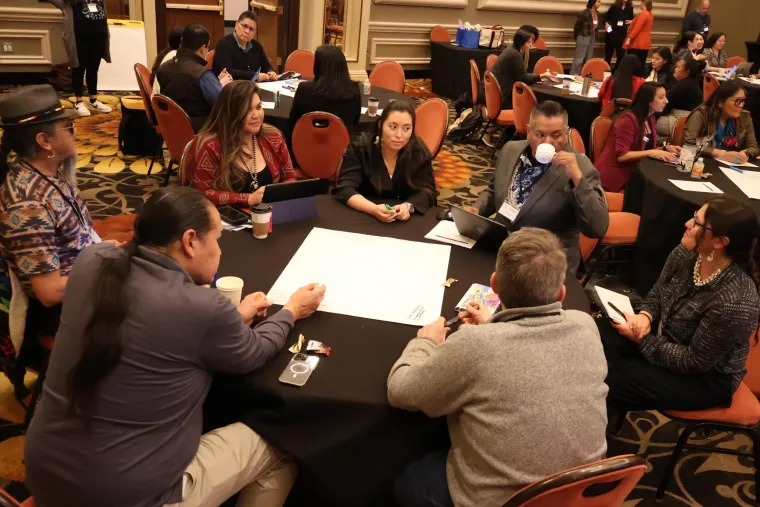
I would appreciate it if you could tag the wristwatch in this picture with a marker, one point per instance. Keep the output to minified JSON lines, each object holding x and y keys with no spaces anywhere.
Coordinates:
{"x":411,"y":207}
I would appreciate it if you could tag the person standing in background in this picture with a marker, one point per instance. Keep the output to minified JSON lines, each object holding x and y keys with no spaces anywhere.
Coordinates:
{"x":87,"y":41}
{"x":617,"y":19}
{"x":698,"y":20}
{"x":638,"y":40}
{"x":584,"y":32}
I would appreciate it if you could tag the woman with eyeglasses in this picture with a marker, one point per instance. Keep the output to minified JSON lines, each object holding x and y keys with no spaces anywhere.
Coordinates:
{"x":686,"y":347}
{"x":235,"y":155}
{"x":44,"y":223}
{"x":241,"y":54}
{"x":723,"y":120}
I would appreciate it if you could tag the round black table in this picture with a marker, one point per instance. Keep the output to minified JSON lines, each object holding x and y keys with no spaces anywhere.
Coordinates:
{"x":349,"y":443}
{"x":664,"y":211}
{"x":450,"y":66}
{"x":752,"y":91}
{"x":280,"y":116}
{"x":581,"y":110}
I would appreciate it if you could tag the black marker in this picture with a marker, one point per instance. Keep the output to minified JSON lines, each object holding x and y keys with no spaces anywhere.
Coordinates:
{"x":617,"y":310}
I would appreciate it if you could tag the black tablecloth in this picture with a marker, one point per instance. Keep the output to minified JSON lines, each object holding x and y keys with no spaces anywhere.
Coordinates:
{"x":581,"y":111}
{"x":753,"y":101}
{"x":450,"y":66}
{"x":280,"y":116}
{"x":664,"y":211}
{"x":348,"y":441}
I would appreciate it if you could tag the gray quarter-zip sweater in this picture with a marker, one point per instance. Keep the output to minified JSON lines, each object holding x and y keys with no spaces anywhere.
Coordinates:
{"x":524,"y":396}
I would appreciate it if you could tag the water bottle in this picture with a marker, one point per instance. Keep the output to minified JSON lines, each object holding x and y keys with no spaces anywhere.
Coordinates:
{"x":698,"y":168}
{"x":367,"y":87}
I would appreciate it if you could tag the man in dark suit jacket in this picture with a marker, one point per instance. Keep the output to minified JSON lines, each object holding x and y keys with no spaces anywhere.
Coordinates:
{"x":563,"y":196}
{"x":241,"y":54}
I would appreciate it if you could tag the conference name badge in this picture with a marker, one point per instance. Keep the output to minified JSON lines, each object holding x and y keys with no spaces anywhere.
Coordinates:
{"x":508,"y":211}
{"x":92,"y":7}
{"x":620,"y":23}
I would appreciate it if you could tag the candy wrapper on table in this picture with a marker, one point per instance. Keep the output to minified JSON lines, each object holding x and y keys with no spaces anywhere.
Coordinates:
{"x":468,"y":36}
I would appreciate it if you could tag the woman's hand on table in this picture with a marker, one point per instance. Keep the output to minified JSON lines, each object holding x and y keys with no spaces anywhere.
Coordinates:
{"x":402,"y":212}
{"x":256,"y":197}
{"x":663,"y":155}
{"x":384,"y":214}
{"x":671,"y":148}
{"x":738,"y":156}
{"x":550,"y":76}
{"x":305,"y":301}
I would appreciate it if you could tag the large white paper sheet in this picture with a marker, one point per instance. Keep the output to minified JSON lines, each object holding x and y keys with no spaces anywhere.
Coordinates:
{"x":284,"y":87}
{"x":369,"y":276}
{"x":736,"y":164}
{"x":621,"y":302}
{"x":747,"y":181}
{"x":697,"y":186}
{"x":446,"y":232}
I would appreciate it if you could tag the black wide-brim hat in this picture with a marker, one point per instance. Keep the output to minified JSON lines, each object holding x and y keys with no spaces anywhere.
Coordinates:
{"x":31,"y":105}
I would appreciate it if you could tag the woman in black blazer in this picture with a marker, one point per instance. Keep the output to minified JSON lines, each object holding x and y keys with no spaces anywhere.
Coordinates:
{"x":332,"y":91}
{"x":389,"y":162}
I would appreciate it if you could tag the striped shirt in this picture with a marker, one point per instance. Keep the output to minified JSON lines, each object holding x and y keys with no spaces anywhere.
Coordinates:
{"x":701,"y":328}
{"x":40,"y":232}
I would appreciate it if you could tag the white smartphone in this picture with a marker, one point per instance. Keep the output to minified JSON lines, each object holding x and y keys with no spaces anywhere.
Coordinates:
{"x":299,"y":369}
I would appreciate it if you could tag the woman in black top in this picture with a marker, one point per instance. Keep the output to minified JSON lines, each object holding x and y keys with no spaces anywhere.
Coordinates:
{"x":690,"y":44}
{"x":686,"y":348}
{"x":660,"y":71}
{"x":683,"y":97}
{"x":388,"y":162}
{"x":617,"y":19}
{"x":332,"y":90}
{"x":509,"y":67}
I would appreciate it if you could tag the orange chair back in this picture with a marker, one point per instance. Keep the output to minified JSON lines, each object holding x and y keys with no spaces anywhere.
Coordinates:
{"x":388,"y":75}
{"x":440,"y":34}
{"x":615,"y":201}
{"x":572,"y":488}
{"x":301,"y":61}
{"x":752,"y":378}
{"x":736,"y":60}
{"x":548,"y":62}
{"x":491,"y":60}
{"x":493,"y":96}
{"x":146,"y":90}
{"x":319,"y":141}
{"x":615,"y":106}
{"x":539,"y":43}
{"x":587,"y":246}
{"x":596,"y":67}
{"x":577,"y":141}
{"x":210,"y":59}
{"x":474,"y":80}
{"x":710,"y":86}
{"x":432,"y":123}
{"x":174,"y":123}
{"x":676,"y":136}
{"x":523,"y":103}
{"x":600,"y":131}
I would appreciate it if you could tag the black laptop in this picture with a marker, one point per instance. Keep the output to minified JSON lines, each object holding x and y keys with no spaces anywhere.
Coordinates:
{"x":295,"y":190}
{"x":481,"y":229}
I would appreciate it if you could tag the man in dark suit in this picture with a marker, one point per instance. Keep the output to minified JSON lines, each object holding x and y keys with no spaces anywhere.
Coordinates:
{"x":563,"y":195}
{"x":241,"y":54}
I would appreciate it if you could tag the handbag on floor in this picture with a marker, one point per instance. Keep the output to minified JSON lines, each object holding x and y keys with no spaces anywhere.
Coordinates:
{"x":136,"y":135}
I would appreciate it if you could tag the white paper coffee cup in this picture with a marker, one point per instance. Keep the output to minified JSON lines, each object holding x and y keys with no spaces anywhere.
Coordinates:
{"x":231,"y":287}
{"x":545,"y":153}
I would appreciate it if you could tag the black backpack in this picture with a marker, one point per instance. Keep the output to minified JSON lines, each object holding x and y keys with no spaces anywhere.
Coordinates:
{"x":468,"y":124}
{"x":136,"y":135}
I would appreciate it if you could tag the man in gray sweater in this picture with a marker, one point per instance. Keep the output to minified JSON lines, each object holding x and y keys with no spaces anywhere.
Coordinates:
{"x":523,"y":391}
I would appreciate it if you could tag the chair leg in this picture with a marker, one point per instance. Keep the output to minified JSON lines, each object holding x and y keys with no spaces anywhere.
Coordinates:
{"x":168,"y":173}
{"x":36,"y":392}
{"x":498,"y":143}
{"x":621,"y":422}
{"x":155,"y":154}
{"x":485,"y":129}
{"x":665,"y":481}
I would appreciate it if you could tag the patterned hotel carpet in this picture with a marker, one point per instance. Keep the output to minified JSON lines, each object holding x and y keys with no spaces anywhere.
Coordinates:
{"x":113,"y":184}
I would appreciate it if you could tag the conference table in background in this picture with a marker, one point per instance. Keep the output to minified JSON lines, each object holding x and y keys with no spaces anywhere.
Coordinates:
{"x":581,"y":110}
{"x":349,"y":443}
{"x":450,"y":66}
{"x":280,"y":116}
{"x":664,"y":211}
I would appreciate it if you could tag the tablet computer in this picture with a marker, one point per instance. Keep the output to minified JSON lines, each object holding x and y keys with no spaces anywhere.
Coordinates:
{"x":730,"y":74}
{"x":277,"y":192}
{"x":481,"y":229}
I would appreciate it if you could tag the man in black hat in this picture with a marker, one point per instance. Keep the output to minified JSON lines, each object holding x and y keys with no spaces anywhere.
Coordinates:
{"x":187,"y":81}
{"x":44,"y":223}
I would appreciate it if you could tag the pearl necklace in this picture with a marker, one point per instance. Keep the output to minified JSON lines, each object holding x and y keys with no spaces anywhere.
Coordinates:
{"x":698,"y":282}
{"x":254,"y":176}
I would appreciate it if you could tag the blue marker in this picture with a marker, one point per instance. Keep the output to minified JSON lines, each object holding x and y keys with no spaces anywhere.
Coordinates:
{"x":736,"y":169}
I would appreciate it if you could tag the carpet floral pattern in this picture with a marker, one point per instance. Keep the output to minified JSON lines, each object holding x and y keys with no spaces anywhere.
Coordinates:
{"x":113,"y":184}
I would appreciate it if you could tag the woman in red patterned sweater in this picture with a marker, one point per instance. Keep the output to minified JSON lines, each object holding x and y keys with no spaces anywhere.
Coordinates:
{"x":235,"y":155}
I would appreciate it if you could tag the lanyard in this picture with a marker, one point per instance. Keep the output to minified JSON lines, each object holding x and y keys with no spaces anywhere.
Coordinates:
{"x":532,"y":316}
{"x":74,"y":205}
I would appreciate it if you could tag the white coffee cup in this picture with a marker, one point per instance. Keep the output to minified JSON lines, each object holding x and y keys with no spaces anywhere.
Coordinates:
{"x":545,"y":153}
{"x":231,"y":287}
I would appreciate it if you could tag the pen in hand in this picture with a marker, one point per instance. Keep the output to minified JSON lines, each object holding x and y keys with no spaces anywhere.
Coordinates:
{"x":618,"y":310}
